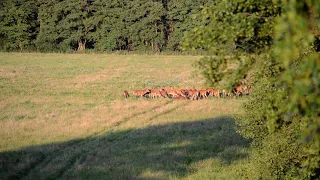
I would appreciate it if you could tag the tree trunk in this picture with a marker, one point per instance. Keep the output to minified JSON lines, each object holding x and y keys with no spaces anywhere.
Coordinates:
{"x":20,"y":45}
{"x":81,"y":45}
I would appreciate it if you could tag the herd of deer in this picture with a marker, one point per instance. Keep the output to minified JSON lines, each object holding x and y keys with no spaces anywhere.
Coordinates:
{"x":192,"y":94}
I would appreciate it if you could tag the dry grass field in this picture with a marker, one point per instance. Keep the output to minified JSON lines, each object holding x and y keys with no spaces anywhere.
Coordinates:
{"x":63,"y":116}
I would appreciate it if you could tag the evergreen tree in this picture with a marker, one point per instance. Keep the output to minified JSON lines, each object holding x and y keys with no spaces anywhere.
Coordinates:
{"x":76,"y":23}
{"x":232,"y":29}
{"x":61,"y":25}
{"x":109,"y":24}
{"x":48,"y":37}
{"x":66,"y":25}
{"x":18,"y":22}
{"x":144,"y":25}
{"x":180,"y":19}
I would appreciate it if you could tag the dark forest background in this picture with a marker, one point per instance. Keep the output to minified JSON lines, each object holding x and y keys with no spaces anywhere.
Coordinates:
{"x":102,"y":25}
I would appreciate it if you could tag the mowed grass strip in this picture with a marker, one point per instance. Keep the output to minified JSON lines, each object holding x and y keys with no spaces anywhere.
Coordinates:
{"x":63,"y":116}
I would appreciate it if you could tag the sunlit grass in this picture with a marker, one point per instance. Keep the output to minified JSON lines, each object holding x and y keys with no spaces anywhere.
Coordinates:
{"x":63,"y":116}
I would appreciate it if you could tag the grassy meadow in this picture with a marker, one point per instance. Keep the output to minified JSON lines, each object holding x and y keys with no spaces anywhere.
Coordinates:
{"x":63,"y":116}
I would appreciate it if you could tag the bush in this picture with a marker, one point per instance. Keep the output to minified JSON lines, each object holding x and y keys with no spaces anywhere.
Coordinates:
{"x":279,"y":56}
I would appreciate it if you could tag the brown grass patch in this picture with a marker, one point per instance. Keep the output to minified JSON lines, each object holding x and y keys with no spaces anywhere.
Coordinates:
{"x":103,"y":75}
{"x":8,"y":73}
{"x":2,"y":105}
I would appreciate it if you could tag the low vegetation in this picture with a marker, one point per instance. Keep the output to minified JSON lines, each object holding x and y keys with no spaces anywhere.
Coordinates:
{"x":275,"y":44}
{"x":64,"y":116}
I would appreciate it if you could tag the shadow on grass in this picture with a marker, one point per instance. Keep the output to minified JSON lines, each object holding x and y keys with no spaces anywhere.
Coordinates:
{"x":156,"y":152}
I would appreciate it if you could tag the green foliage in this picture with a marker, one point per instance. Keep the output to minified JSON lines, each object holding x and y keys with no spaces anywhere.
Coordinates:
{"x":296,"y":49}
{"x":180,"y":19}
{"x":103,"y":25}
{"x":18,"y":24}
{"x":233,"y":30}
{"x":212,"y":69}
{"x":276,"y":153}
{"x":234,"y":26}
{"x":65,"y":25}
{"x":47,"y":39}
{"x":108,"y":24}
{"x":275,"y":45}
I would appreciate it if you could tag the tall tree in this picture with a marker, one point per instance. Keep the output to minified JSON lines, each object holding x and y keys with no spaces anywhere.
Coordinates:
{"x":48,"y":37}
{"x":18,"y":22}
{"x":145,"y":25}
{"x":68,"y":24}
{"x":232,"y":29}
{"x":77,"y":22}
{"x":109,"y":24}
{"x":61,"y":25}
{"x":180,"y":19}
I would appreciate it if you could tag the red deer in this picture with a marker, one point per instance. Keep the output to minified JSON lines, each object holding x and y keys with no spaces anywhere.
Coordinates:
{"x":203,"y":93}
{"x":141,"y":93}
{"x":224,"y":93}
{"x":125,"y":94}
{"x":164,"y":93}
{"x":238,"y":91}
{"x":247,"y":90}
{"x":172,"y":92}
{"x":154,"y":93}
{"x":193,"y":94}
{"x":213,"y":92}
{"x":181,"y":92}
{"x":210,"y":91}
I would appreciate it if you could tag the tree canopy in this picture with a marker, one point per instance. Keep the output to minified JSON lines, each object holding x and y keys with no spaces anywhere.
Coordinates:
{"x":103,"y":25}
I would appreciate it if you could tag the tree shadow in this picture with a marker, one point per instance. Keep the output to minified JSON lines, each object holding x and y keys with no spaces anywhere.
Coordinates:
{"x":155,"y":152}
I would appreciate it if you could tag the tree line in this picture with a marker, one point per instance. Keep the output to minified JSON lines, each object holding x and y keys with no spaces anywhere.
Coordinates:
{"x":103,"y":25}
